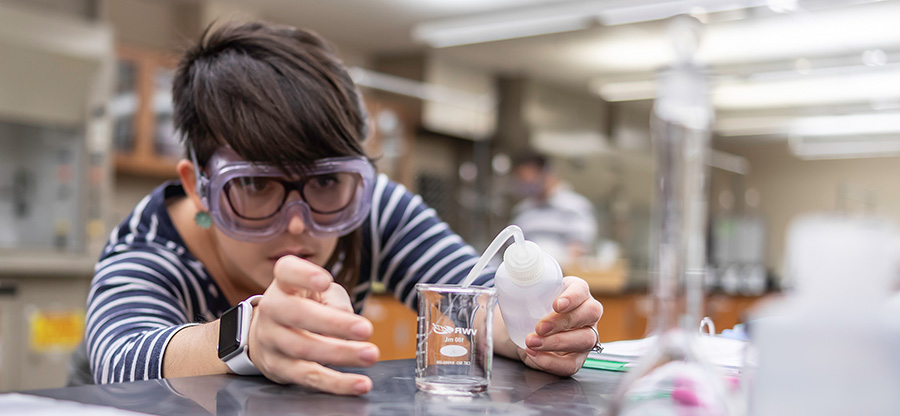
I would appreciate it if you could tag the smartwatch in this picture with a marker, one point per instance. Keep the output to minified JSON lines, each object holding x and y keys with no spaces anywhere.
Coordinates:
{"x":234,"y":334}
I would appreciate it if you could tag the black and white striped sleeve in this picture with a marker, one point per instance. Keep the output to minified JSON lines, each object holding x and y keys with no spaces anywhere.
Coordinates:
{"x":410,"y":244}
{"x":139,"y":299}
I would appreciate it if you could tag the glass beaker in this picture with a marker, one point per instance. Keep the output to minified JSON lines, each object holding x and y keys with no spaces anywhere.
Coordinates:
{"x":454,"y":344}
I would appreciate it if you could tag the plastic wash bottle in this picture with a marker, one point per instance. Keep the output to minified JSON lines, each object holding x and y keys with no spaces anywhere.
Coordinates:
{"x":527,"y":281}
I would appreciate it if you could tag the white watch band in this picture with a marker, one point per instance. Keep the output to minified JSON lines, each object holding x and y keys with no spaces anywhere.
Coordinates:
{"x":241,"y":363}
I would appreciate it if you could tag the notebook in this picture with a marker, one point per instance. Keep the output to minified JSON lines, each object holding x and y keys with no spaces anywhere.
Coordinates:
{"x":725,"y":353}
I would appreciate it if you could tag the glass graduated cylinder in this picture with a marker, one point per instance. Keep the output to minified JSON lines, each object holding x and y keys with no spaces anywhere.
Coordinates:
{"x":673,"y":378}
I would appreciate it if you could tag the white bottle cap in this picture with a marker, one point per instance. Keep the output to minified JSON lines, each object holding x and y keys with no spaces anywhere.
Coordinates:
{"x":524,"y":262}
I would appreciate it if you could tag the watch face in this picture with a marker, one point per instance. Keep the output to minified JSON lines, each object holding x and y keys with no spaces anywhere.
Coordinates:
{"x":229,"y":332}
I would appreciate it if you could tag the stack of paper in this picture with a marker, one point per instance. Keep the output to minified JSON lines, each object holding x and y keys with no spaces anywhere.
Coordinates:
{"x":722,"y":352}
{"x":25,"y":404}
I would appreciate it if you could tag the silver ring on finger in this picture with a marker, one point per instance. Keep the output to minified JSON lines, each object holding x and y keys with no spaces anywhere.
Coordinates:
{"x":597,"y":347}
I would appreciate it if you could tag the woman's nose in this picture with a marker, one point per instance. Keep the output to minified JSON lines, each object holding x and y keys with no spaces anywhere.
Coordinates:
{"x":296,"y":224}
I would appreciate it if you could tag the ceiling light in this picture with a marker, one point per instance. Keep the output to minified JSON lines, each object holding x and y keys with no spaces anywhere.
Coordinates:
{"x":802,"y":66}
{"x":866,"y":124}
{"x":626,"y":12}
{"x":422,"y":90}
{"x":844,"y":85}
{"x":700,"y":14}
{"x":782,"y":6}
{"x":862,"y":87}
{"x":626,"y":91}
{"x":563,"y":17}
{"x":849,"y":148}
{"x":505,"y":25}
{"x":854,"y":124}
{"x":734,"y":44}
{"x":752,"y":126}
{"x":874,"y":57}
{"x":729,"y":162}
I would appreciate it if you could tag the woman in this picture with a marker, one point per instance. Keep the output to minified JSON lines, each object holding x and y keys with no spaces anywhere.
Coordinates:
{"x":308,"y":224}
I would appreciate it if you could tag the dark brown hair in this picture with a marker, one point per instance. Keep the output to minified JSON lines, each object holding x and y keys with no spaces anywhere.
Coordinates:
{"x":531,"y":158}
{"x":275,"y":95}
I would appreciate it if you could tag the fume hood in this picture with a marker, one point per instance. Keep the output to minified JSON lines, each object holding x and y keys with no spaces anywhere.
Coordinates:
{"x":55,"y":79}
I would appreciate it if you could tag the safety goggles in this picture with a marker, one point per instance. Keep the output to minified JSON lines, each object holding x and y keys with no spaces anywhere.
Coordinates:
{"x":256,"y":202}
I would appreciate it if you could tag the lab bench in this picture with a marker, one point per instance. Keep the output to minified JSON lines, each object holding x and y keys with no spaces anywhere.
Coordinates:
{"x":515,"y":389}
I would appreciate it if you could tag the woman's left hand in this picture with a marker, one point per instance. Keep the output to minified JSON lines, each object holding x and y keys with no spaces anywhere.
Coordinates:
{"x":563,"y":338}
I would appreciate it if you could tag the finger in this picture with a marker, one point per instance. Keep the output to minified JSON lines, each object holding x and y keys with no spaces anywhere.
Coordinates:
{"x":293,"y":274}
{"x":321,"y":378}
{"x":307,"y":346}
{"x":561,"y":364}
{"x":308,"y":314}
{"x":578,"y":340}
{"x":586,"y":314}
{"x":337,"y":297}
{"x":577,"y":292}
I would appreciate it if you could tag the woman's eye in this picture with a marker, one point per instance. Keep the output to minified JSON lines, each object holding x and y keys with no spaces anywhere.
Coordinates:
{"x":325,"y":181}
{"x":256,"y":185}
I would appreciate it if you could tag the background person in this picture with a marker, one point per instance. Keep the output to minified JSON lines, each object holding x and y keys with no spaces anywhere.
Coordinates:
{"x":552,"y":215}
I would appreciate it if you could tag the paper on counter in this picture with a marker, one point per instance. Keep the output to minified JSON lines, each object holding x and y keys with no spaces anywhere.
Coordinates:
{"x":722,"y":352}
{"x":25,"y":404}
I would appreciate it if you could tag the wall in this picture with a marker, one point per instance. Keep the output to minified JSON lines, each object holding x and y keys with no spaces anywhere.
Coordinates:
{"x":72,"y":8}
{"x":158,"y":25}
{"x":466,"y":107}
{"x":170,"y":25}
{"x":789,"y":187}
{"x":50,"y":63}
{"x":570,"y":126}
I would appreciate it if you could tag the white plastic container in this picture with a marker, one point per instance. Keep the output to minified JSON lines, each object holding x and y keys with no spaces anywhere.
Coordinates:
{"x":527,"y":281}
{"x":829,"y":348}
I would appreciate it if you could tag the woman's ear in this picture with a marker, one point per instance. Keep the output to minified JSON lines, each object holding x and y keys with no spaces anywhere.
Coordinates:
{"x":185,"y":170}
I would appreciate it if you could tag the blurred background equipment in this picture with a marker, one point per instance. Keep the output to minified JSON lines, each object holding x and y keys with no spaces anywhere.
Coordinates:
{"x":54,"y":186}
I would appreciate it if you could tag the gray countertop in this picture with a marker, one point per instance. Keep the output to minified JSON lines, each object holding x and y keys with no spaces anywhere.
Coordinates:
{"x":514,"y":390}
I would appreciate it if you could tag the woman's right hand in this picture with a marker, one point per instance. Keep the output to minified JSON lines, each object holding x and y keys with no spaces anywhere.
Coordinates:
{"x":304,"y":322}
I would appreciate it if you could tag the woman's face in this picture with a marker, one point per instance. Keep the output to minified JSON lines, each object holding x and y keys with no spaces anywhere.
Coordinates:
{"x":255,"y":261}
{"x":261,"y":215}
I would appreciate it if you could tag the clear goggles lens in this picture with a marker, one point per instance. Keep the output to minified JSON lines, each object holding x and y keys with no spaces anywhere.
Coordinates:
{"x":256,"y":202}
{"x":260,"y":198}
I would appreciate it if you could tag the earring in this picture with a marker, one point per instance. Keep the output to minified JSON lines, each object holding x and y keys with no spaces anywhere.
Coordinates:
{"x":202,"y":219}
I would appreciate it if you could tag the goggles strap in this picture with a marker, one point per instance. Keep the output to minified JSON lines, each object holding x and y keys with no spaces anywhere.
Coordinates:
{"x":202,"y":181}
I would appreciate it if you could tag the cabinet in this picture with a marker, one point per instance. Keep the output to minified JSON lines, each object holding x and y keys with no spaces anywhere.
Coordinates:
{"x":144,"y":138}
{"x":726,"y":311}
{"x":624,"y":316}
{"x":394,"y":326}
{"x":41,"y":322}
{"x":628,"y":315}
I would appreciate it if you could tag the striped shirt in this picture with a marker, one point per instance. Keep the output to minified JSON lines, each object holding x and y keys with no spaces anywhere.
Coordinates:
{"x":147,"y":285}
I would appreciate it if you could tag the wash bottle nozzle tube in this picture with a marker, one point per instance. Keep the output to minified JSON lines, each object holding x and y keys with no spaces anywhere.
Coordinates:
{"x":527,"y":281}
{"x":510,"y":231}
